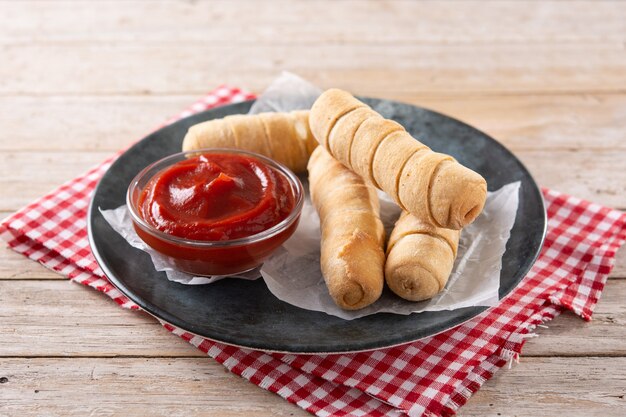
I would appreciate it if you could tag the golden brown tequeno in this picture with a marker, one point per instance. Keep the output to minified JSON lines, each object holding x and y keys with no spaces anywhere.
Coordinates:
{"x":420,"y":257}
{"x":284,"y":137}
{"x":352,"y":256}
{"x":432,"y":186}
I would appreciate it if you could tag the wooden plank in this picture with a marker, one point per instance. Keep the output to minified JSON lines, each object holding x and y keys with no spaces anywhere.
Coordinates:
{"x":61,"y":318}
{"x":312,"y":22}
{"x":553,"y":387}
{"x":581,"y":173}
{"x":76,"y":321}
{"x":25,"y":176}
{"x":540,"y":122}
{"x":15,"y":266}
{"x":131,"y":387}
{"x":84,"y":123}
{"x":200,"y":387}
{"x":528,"y":122}
{"x":569,"y":335}
{"x":127,"y":67}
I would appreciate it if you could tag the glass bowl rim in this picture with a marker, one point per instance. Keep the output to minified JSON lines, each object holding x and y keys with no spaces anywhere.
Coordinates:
{"x":162,"y":163}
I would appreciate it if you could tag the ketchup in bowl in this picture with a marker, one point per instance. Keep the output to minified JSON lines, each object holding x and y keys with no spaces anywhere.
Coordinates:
{"x":215,"y":212}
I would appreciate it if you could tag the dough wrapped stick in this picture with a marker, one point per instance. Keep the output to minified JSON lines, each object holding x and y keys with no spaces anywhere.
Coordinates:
{"x":284,"y":137}
{"x":353,"y":236}
{"x":432,"y":186}
{"x":420,"y":257}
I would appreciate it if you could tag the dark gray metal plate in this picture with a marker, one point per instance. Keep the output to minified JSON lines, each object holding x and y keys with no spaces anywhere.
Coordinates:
{"x":245,"y":313}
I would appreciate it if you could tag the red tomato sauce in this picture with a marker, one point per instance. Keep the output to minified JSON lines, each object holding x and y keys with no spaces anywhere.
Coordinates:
{"x":216,"y":197}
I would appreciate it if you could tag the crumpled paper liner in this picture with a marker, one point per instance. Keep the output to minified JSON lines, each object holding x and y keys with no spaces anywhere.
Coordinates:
{"x":293,"y":272}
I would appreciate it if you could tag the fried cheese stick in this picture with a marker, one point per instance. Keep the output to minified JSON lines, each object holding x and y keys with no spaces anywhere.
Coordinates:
{"x":284,"y":137}
{"x":352,"y":256}
{"x":432,"y":186}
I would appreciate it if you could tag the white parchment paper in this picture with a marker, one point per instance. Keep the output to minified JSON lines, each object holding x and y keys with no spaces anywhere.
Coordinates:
{"x":293,"y":273}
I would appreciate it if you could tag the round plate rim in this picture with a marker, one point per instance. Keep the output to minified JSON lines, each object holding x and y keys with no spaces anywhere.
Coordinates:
{"x":159,"y":313}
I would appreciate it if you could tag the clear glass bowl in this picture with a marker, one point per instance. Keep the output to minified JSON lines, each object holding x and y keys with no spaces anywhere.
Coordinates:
{"x":224,"y":257}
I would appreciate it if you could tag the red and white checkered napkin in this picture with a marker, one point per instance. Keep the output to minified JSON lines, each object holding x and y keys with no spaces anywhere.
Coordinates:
{"x":433,"y":376}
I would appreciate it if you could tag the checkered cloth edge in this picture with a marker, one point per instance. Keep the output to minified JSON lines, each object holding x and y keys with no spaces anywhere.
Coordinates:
{"x":431,"y":377}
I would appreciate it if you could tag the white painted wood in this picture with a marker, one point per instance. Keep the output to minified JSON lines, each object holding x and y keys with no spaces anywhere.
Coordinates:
{"x":62,"y":314}
{"x":131,"y":387}
{"x":521,"y":122}
{"x":127,"y":67}
{"x":443,"y":22}
{"x":200,"y":387}
{"x":80,"y":80}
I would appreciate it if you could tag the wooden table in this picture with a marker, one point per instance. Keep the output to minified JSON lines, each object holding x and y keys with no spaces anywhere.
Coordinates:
{"x":79,"y":80}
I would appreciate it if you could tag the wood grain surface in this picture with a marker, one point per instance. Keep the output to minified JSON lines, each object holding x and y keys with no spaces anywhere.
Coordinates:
{"x":80,"y":80}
